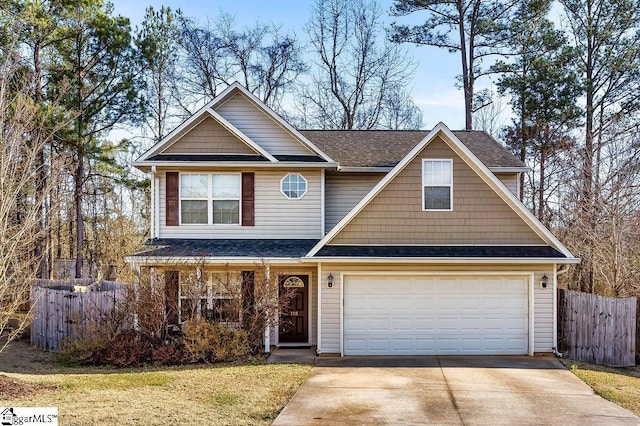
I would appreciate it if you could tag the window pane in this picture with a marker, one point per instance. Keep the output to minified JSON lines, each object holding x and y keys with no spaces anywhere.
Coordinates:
{"x":226,"y":186}
{"x":193,"y":186}
{"x":437,"y":198}
{"x":225,"y":283}
{"x":226,"y":212}
{"x":437,"y":172}
{"x":194,"y":211}
{"x":294,"y":186}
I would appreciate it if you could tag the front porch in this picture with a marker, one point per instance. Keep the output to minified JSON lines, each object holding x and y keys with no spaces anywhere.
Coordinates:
{"x":280,"y":298}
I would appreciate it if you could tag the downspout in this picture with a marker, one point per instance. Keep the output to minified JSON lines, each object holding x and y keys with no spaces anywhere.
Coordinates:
{"x":267,"y":329}
{"x":156,"y":212}
{"x":556,"y":272}
{"x":154,"y":206}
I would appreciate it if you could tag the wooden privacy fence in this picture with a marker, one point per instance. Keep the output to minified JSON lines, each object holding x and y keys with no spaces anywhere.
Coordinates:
{"x":69,"y":309}
{"x":597,"y":329}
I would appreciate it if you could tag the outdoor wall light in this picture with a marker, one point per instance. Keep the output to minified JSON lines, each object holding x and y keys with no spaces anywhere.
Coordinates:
{"x":330,"y":280}
{"x":545,"y":281}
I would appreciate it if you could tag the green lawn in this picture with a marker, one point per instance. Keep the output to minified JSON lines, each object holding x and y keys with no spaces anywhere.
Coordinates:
{"x":228,"y":394}
{"x":618,"y":385}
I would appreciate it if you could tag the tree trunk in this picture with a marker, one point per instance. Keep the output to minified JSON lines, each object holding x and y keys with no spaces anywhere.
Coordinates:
{"x":467,"y":84}
{"x":78,"y":176}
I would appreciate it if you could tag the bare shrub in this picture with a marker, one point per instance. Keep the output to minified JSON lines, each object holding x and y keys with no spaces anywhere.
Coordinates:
{"x":208,"y":342}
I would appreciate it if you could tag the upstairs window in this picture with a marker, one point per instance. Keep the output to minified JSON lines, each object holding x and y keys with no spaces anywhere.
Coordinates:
{"x":194,"y":199}
{"x":210,"y":198}
{"x":437,"y":184}
{"x":293,"y":186}
{"x":226,"y":199}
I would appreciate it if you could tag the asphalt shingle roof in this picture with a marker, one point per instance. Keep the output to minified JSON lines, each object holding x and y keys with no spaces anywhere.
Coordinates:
{"x":271,"y":248}
{"x":226,"y":248}
{"x":385,"y":148}
{"x":441,"y":251}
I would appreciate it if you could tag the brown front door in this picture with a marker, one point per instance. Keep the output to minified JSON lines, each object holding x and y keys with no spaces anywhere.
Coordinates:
{"x":293,"y":312}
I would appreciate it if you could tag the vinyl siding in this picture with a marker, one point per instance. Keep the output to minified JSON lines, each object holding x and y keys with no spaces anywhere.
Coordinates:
{"x":542,"y":298}
{"x":343,"y":191}
{"x":395,"y":215}
{"x":275,"y":215}
{"x":260,"y":127}
{"x":510,"y":180}
{"x":209,"y":137}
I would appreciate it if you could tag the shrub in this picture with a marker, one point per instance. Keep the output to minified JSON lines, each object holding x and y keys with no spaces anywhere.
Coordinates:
{"x":127,"y":349}
{"x":79,"y":351}
{"x":207,"y":342}
{"x":168,"y":353}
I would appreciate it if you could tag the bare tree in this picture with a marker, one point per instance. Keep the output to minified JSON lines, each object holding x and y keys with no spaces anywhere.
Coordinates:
{"x":263,"y":59}
{"x":607,"y":35}
{"x":360,"y":78}
{"x":608,"y":240}
{"x":490,"y":118}
{"x":22,"y":196}
{"x":157,"y":40}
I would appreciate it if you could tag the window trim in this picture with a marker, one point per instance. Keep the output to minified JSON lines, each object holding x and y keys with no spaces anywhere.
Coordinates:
{"x":306,"y":186}
{"x":450,"y":186}
{"x":209,"y":199}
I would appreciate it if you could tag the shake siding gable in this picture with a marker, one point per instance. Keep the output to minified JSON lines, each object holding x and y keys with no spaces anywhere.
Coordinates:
{"x":261,"y":128}
{"x":510,"y":180}
{"x":395,"y":216}
{"x":209,"y":137}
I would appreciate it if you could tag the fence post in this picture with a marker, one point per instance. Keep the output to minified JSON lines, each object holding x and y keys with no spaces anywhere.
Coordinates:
{"x":637,"y":332}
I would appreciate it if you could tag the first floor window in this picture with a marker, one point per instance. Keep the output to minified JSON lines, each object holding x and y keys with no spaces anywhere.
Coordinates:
{"x":437,"y":184}
{"x":211,"y":296}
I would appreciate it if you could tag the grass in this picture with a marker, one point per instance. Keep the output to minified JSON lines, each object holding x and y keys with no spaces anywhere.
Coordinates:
{"x":618,"y":385}
{"x":226,"y":394}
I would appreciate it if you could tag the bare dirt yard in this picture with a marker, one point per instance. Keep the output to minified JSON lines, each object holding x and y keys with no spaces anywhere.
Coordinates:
{"x":207,"y":394}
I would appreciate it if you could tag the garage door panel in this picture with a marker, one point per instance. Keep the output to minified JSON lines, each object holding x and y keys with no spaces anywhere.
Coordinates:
{"x":419,"y":315}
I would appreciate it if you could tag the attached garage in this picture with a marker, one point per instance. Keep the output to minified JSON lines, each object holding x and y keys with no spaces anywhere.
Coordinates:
{"x":472,"y":314}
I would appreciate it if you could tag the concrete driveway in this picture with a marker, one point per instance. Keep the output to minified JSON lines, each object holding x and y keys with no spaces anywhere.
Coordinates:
{"x":449,"y":391}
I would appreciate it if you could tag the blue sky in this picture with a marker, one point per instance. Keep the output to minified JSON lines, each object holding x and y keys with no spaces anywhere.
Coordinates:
{"x":433,"y":87}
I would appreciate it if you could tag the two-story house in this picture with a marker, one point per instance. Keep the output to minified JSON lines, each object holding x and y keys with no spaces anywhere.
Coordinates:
{"x":396,"y":242}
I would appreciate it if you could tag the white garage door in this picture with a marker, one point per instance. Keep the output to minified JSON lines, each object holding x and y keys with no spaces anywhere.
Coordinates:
{"x":435,"y":315}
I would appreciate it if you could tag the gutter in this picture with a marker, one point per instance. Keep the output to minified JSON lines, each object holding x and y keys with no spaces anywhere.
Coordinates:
{"x":467,"y":260}
{"x":209,"y":260}
{"x":146,"y":166}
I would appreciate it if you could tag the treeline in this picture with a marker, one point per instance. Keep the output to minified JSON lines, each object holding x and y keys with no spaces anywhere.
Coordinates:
{"x":82,"y":74}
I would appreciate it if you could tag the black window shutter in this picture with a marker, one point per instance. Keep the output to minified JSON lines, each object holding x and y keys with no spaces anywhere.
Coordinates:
{"x":172,"y":201}
{"x":248,"y":190}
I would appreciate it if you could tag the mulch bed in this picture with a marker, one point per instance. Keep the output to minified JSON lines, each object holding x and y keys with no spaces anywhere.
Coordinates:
{"x":15,"y":388}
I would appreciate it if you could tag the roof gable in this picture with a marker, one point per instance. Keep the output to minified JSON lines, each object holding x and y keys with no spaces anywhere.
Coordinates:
{"x":250,"y":121}
{"x":262,"y":124}
{"x":442,"y":133}
{"x":209,"y":137}
{"x":479,"y":215}
{"x":191,"y":123}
